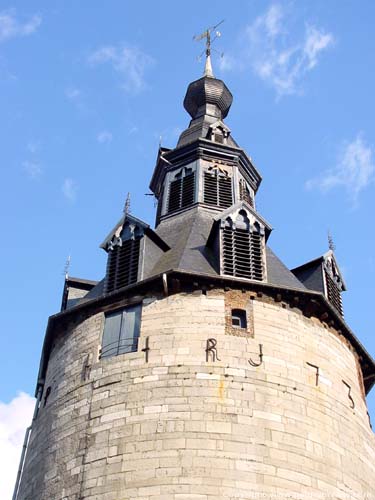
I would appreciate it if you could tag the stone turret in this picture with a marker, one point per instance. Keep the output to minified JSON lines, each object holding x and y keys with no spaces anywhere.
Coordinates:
{"x":201,"y":367}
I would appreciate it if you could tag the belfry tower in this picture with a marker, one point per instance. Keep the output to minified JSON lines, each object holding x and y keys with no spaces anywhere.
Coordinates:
{"x":201,"y":367}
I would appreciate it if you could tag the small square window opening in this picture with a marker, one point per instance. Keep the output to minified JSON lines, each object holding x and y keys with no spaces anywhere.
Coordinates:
{"x":239,"y":318}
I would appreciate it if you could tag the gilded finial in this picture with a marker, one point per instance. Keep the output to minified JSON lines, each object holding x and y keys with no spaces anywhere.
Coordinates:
{"x":209,"y":41}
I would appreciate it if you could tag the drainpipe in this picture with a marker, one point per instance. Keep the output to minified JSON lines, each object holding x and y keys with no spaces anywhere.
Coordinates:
{"x":26,"y":442}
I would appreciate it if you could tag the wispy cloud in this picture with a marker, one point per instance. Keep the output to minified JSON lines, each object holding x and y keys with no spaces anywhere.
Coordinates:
{"x":32,"y":169}
{"x":129,"y":62}
{"x":69,"y":189}
{"x":33,"y":146}
{"x":73,"y":93}
{"x":11,"y":27}
{"x":271,"y":50}
{"x":14,"y":418}
{"x":354,"y":171}
{"x":104,"y":137}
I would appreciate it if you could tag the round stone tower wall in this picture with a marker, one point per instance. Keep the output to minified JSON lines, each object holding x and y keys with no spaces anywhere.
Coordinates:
{"x":179,"y":427}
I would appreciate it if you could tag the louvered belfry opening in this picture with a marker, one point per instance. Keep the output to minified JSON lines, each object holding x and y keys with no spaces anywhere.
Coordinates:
{"x":333,"y":292}
{"x":123,"y":257}
{"x":181,"y":190}
{"x":217,"y":188}
{"x":245,"y":193}
{"x":242,"y":249}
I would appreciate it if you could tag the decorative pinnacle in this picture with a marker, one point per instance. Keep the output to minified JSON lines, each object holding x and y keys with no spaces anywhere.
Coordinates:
{"x":209,"y":41}
{"x":331,"y":244}
{"x":127,"y":205}
{"x":66,"y":267}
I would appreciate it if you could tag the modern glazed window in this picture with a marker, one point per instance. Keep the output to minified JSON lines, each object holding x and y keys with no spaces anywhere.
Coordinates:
{"x":121,"y":331}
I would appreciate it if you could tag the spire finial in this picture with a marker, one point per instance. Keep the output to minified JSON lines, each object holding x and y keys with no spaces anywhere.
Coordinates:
{"x":331,"y":244}
{"x":67,"y":267}
{"x":207,"y":34}
{"x":127,"y":205}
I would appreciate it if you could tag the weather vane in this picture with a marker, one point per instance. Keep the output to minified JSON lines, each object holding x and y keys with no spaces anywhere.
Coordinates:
{"x":210,"y":35}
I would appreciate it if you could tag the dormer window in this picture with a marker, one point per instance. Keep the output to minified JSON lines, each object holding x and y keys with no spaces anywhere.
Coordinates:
{"x":333,"y":284}
{"x":217,"y":185}
{"x":123,"y":257}
{"x":218,"y":132}
{"x":242,"y":248}
{"x":181,"y":190}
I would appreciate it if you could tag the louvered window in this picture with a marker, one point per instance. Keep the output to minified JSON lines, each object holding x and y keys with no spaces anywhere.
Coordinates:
{"x":160,"y":205}
{"x":218,"y":189}
{"x":122,"y":267}
{"x":121,"y":332}
{"x":333,"y":293}
{"x":245,"y":194}
{"x":181,"y":190}
{"x":242,"y":249}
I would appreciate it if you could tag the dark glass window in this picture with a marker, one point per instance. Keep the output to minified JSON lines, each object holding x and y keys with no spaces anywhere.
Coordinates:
{"x":239,"y":318}
{"x":121,"y":331}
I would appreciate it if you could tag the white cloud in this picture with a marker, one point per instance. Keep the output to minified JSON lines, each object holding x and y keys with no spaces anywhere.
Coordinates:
{"x":11,"y":27}
{"x":72,"y":93}
{"x":130,"y":62}
{"x":104,"y":137}
{"x":273,"y":54}
{"x":32,"y":169}
{"x":355,"y":170}
{"x":14,"y":418}
{"x":69,"y":189}
{"x":33,"y":146}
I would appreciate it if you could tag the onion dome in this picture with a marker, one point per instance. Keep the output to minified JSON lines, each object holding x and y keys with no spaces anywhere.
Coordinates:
{"x":208,"y":96}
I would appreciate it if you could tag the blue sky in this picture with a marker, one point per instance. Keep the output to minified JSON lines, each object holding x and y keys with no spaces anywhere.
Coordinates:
{"x":88,"y":88}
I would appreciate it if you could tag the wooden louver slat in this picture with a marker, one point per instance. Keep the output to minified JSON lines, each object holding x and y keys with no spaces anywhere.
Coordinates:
{"x":242,"y":254}
{"x":122,"y":267}
{"x":217,"y":190}
{"x":333,"y":293}
{"x":245,"y":193}
{"x":181,"y":192}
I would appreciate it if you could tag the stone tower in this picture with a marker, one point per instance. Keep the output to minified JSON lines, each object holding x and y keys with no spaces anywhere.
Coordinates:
{"x":200,"y":367}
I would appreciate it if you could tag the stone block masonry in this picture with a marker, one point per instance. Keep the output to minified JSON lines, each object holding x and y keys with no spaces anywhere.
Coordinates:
{"x":182,"y":428}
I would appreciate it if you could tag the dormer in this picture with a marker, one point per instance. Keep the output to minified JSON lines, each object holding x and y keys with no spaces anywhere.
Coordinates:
{"x":238,"y":239}
{"x":323,"y":275}
{"x":218,"y":132}
{"x":132,"y":248}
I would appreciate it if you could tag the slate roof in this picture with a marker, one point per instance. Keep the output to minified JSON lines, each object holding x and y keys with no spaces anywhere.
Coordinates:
{"x":187,"y":234}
